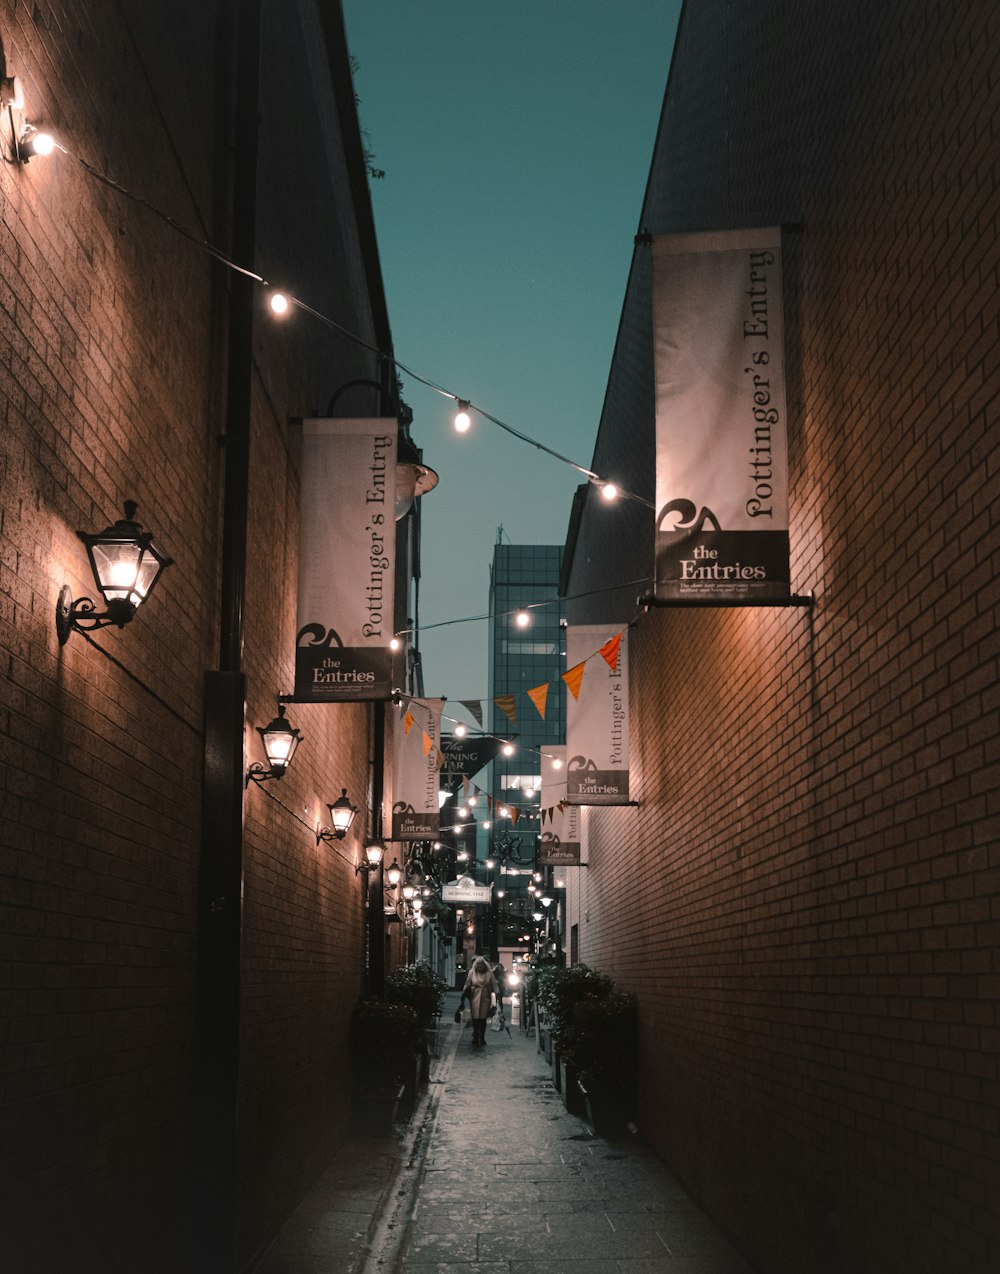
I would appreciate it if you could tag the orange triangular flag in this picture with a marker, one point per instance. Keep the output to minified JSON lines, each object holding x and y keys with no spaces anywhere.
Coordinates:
{"x":573,"y":677}
{"x":515,"y":814}
{"x":538,"y":697}
{"x":465,"y":786}
{"x":489,"y":805}
{"x":507,"y":705}
{"x":408,"y":721}
{"x":610,"y":652}
{"x":428,"y":743}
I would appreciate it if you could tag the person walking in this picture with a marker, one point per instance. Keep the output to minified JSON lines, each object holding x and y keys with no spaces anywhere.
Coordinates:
{"x":480,"y":987}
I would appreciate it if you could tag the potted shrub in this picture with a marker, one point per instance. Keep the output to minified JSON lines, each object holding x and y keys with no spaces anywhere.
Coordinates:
{"x":420,"y":988}
{"x":601,"y":1044}
{"x":385,"y":1041}
{"x":559,"y":992}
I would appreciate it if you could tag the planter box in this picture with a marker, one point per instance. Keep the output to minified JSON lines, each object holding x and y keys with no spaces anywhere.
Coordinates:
{"x":608,"y":1113}
{"x":373,"y":1114}
{"x":570,"y":1089}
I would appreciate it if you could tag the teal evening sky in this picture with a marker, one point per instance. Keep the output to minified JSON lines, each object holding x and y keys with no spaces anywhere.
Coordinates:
{"x":516,"y":140}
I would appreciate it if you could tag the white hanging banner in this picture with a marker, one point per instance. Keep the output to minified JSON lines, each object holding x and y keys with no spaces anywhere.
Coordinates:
{"x":347,"y":546}
{"x":597,"y":719}
{"x":559,"y":844}
{"x":416,"y":770}
{"x":721,"y":453}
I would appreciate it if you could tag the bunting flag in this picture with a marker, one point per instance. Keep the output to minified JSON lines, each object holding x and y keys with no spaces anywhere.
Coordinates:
{"x":573,"y":677}
{"x":475,"y":707}
{"x":507,"y":705}
{"x":538,"y":697}
{"x":465,"y":786}
{"x":515,"y":814}
{"x":408,"y":720}
{"x":428,"y":743}
{"x":489,"y":805}
{"x":609,"y":651}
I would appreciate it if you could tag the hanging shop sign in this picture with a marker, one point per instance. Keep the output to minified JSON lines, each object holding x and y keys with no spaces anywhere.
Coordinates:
{"x":597,"y":733}
{"x":721,"y":454}
{"x":347,"y":548}
{"x":559,"y":843}
{"x":465,"y":756}
{"x":416,"y":758}
{"x":465,"y":889}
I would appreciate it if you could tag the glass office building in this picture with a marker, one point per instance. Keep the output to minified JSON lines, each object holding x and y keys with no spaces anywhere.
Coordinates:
{"x":524,"y":576}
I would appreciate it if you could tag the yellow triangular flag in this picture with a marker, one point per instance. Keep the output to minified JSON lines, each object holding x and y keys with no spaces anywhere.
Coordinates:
{"x":538,"y":697}
{"x":573,"y":677}
{"x":610,"y":652}
{"x":507,"y":705}
{"x":408,"y":721}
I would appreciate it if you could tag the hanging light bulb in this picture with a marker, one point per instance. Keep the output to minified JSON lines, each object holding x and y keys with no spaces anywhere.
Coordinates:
{"x":487,"y":824}
{"x":279,"y":303}
{"x":609,"y":491}
{"x":463,"y":418}
{"x":508,"y":749}
{"x":395,"y":643}
{"x":522,"y":619}
{"x":461,"y":731}
{"x":557,"y":764}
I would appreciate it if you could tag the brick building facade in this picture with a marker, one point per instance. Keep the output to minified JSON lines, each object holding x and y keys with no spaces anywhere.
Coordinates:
{"x":805,"y":900}
{"x":133,"y":365}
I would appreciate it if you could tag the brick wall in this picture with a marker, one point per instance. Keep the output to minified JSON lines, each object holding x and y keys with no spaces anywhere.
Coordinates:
{"x":811,"y":918}
{"x":112,"y":369}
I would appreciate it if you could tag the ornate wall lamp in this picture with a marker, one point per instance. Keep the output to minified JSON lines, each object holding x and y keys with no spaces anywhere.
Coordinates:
{"x":126,"y":565}
{"x":374,"y":850}
{"x":342,"y":814}
{"x":280,"y":740}
{"x":394,"y":874}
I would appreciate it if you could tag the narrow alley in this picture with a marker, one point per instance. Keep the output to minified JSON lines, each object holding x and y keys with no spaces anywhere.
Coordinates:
{"x":494,"y":1176}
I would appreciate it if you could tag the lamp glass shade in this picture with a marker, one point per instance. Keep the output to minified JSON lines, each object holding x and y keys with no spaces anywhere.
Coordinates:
{"x":409,"y":892}
{"x":280,"y":740}
{"x":125,"y":562}
{"x":341,"y":814}
{"x":373,"y":852}
{"x":394,"y":873}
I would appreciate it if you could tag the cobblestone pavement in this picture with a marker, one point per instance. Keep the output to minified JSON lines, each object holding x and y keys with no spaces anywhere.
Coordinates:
{"x":493,"y":1176}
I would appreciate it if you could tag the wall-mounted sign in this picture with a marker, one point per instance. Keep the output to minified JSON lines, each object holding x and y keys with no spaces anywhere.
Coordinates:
{"x":559,"y":842}
{"x":597,"y":733}
{"x":465,"y":889}
{"x":347,"y":544}
{"x":415,"y":806}
{"x":721,"y":457}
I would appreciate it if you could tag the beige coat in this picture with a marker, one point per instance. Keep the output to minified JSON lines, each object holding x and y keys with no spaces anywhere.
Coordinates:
{"x":480,"y":987}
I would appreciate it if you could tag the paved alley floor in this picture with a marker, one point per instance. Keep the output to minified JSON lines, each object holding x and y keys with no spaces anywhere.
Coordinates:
{"x":493,"y":1176}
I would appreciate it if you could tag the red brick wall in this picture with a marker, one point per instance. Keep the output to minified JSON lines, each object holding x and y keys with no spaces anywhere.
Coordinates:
{"x":806,"y":900}
{"x":112,"y":385}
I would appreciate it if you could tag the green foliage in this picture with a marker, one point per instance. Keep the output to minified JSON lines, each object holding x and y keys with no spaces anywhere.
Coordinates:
{"x":560,"y":990}
{"x":600,"y":1042}
{"x":384,"y":1038}
{"x":419,"y":987}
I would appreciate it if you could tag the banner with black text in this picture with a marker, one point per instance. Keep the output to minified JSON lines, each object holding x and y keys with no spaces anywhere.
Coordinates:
{"x":597,"y":734}
{"x":721,"y":453}
{"x":559,"y":843}
{"x":416,"y":771}
{"x":347,"y":545}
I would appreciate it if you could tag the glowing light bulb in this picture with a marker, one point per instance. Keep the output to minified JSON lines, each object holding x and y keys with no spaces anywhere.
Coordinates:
{"x":557,"y":764}
{"x":508,"y":749}
{"x":504,"y":812}
{"x":394,"y":643}
{"x":609,"y":491}
{"x":279,"y":303}
{"x":42,"y":144}
{"x":461,"y":731}
{"x":463,"y":419}
{"x":487,"y":824}
{"x":522,"y":619}
{"x":490,"y":864}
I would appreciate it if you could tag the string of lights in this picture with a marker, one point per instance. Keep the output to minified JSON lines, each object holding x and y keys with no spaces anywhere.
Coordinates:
{"x":281,"y":302}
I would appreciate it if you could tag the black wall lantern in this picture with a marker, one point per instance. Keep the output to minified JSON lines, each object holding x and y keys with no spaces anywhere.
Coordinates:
{"x":126,"y":565}
{"x":280,"y":740}
{"x":342,"y":814}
